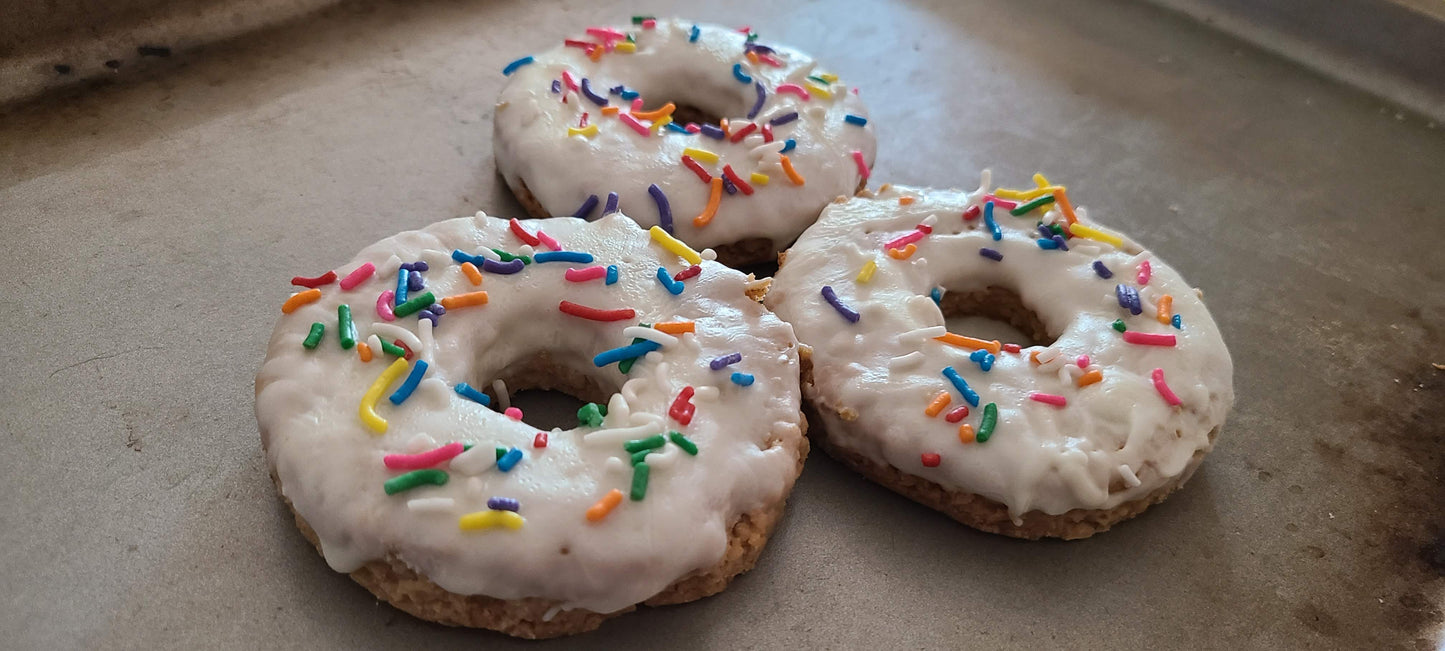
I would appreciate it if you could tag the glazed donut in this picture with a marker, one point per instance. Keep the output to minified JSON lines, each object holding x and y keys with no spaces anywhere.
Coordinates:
{"x":1110,"y":407}
{"x":740,"y":146}
{"x":405,"y":471}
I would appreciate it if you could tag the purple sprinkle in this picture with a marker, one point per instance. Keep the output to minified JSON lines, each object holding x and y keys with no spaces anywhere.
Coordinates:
{"x":761,"y":49}
{"x":1128,"y":298}
{"x":1103,"y":271}
{"x":725,"y":360}
{"x":503,"y":504}
{"x":664,"y":211}
{"x":832,"y":298}
{"x":437,"y":309}
{"x":1059,"y":240}
{"x":492,"y":266}
{"x":586,"y":207}
{"x":611,"y":206}
{"x":406,"y":266}
{"x":1044,"y":230}
{"x":587,"y":92}
{"x":556,"y":85}
{"x":784,"y":119}
{"x":414,"y":281}
{"x":420,"y":265}
{"x":427,"y":314}
{"x":758,"y":105}
{"x":711,"y":131}
{"x":991,"y":254}
{"x":728,"y":185}
{"x":617,"y":90}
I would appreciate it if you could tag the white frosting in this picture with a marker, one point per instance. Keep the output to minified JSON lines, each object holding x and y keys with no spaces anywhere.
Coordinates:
{"x":532,"y":141}
{"x":887,"y":368}
{"x":330,"y":463}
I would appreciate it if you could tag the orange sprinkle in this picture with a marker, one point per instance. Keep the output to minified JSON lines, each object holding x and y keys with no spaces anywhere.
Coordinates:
{"x":1061,"y":197}
{"x":597,"y":511}
{"x":712,"y":200}
{"x":1034,"y":357}
{"x":472,"y":273}
{"x":675,"y":327}
{"x":974,"y":344}
{"x":464,"y":300}
{"x":666,"y":109}
{"x":1091,"y":377}
{"x":965,"y":433}
{"x":724,"y":124}
{"x":610,"y":110}
{"x":298,"y":299}
{"x":793,"y":174}
{"x":364,"y":351}
{"x":939,"y":402}
{"x":903,"y":201}
{"x":752,"y":57}
{"x":904,"y":253}
{"x":1166,"y":309}
{"x":595,"y":54}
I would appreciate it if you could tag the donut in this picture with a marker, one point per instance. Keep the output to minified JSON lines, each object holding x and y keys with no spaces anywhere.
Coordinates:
{"x":388,"y":435}
{"x":1109,"y":403}
{"x":721,"y":140}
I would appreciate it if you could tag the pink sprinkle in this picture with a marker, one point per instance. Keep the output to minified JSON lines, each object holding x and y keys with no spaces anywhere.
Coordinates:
{"x":354,"y":278}
{"x":1164,"y":390}
{"x":568,"y":79}
{"x":605,"y":33}
{"x":794,"y":89}
{"x":383,"y":305}
{"x":649,"y":24}
{"x":513,"y":413}
{"x":1082,"y":361}
{"x":1049,"y":399}
{"x":693,"y":127}
{"x":585,"y":274}
{"x":636,"y":104}
{"x":862,"y":166}
{"x":925,"y":229}
{"x":1145,"y":272}
{"x":1147,"y":339}
{"x":903,"y":240}
{"x":770,"y":60}
{"x":1000,"y":203}
{"x":632,"y":122}
{"x":547,"y":240}
{"x":425,"y":459}
{"x":540,"y":440}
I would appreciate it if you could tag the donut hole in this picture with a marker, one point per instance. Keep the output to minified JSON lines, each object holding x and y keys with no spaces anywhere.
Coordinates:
{"x":685,"y":113}
{"x":548,"y":391}
{"x":694,"y":99}
{"x":994,"y":313}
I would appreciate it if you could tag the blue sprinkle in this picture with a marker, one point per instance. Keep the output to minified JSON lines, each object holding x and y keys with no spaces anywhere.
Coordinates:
{"x":692,"y":36}
{"x":1047,"y":244}
{"x":509,"y":460}
{"x":504,"y":503}
{"x":968,"y":394}
{"x":784,"y":118}
{"x":990,"y":223}
{"x":1178,"y":322}
{"x":611,"y":206}
{"x":562,"y":256}
{"x":742,"y":379}
{"x":587,"y":92}
{"x":726,"y":360}
{"x":401,"y":284}
{"x":788,"y":146}
{"x":855,"y":119}
{"x":512,"y":67}
{"x":664,"y":210}
{"x":937,"y":295}
{"x":1103,"y":271}
{"x":673,"y":126}
{"x":629,"y":94}
{"x":977,"y":355}
{"x":460,"y":257}
{"x":466,"y":391}
{"x":404,"y":391}
{"x":586,"y":208}
{"x":832,"y":298}
{"x":739,"y":75}
{"x":626,"y":352}
{"x":987,"y":364}
{"x":673,"y":286}
{"x":711,"y":131}
{"x":758,"y":104}
{"x":495,"y":267}
{"x":611,"y":274}
{"x":991,"y":254}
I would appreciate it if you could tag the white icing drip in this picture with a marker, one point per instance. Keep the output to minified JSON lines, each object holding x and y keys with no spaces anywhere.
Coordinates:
{"x":504,"y":399}
{"x":393,"y":331}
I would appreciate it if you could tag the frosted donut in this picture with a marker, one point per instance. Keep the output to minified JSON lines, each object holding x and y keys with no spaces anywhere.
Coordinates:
{"x":1110,"y":409}
{"x":403,"y":470}
{"x":572,"y":136}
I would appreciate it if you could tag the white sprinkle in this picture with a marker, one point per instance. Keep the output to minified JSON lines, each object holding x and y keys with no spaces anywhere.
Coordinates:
{"x":930,"y":220}
{"x":905,"y":362}
{"x":525,"y":250}
{"x":475,"y":461}
{"x":388,"y":269}
{"x":618,"y":411}
{"x":397,"y":332}
{"x":374,"y":342}
{"x":705,"y":394}
{"x":656,"y":336}
{"x":430,"y":504}
{"x":1128,"y":474}
{"x":915,"y":336}
{"x":504,"y":401}
{"x":757,"y":153}
{"x":707,"y":254}
{"x":428,"y":343}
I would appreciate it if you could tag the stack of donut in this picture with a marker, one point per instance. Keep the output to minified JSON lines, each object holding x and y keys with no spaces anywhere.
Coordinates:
{"x":681,"y":150}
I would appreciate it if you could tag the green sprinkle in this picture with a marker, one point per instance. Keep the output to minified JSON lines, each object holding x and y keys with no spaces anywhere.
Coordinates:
{"x":345,"y":327}
{"x":639,"y":481}
{"x":638,"y":456}
{"x":649,"y":443}
{"x":590,"y":415}
{"x":413,"y":479}
{"x":990,"y":420}
{"x":1057,"y":229}
{"x":1119,"y":325}
{"x":467,"y":445}
{"x":637,"y":20}
{"x":501,"y":452}
{"x":415,"y":304}
{"x":392,"y":349}
{"x":1029,"y":207}
{"x":818,"y":79}
{"x":508,"y":257}
{"x":683,"y":442}
{"x":752,"y":36}
{"x":315,"y":337}
{"x":631,"y":39}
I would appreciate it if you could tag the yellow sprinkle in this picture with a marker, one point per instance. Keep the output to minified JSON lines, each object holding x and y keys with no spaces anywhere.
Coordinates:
{"x":700,"y":154}
{"x":1035,"y":193}
{"x":625,"y":46}
{"x":818,"y":89}
{"x":866,"y":274}
{"x":489,"y":519}
{"x":589,"y":131}
{"x":1096,"y":234}
{"x":661,"y":122}
{"x":368,"y":401}
{"x":674,"y":245}
{"x":758,"y":178}
{"x":828,"y":77}
{"x":1005,"y":193}
{"x":1041,"y":181}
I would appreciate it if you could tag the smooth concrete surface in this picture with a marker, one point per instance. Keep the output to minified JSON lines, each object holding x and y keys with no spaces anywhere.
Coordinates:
{"x":149,"y":231}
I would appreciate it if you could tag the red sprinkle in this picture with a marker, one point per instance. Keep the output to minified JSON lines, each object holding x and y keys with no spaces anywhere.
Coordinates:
{"x":583,"y":122}
{"x":957,"y":414}
{"x":688,"y":272}
{"x":770,"y":60}
{"x":767,"y":133}
{"x":931,"y":459}
{"x":540,"y":440}
{"x":904,"y":240}
{"x":1147,"y":339}
{"x":405,"y":348}
{"x":682,"y":410}
{"x":743,"y":132}
{"x":737,"y":180}
{"x":925,"y":229}
{"x":972,"y":213}
{"x":578,"y":44}
{"x":594,"y":314}
{"x":424,"y":459}
{"x":1012,"y":348}
{"x":697,"y":169}
{"x":324,"y":279}
{"x":522,"y":234}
